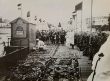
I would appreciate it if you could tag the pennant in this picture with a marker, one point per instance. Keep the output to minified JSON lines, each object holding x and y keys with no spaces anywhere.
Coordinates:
{"x":19,"y":4}
{"x":71,"y":18}
{"x":70,"y":22}
{"x":49,"y":25}
{"x":19,"y":8}
{"x":74,"y":16}
{"x":74,"y":12}
{"x":40,"y":20}
{"x":28,"y":14}
{"x":44,"y":21}
{"x":78,"y":7}
{"x":59,"y":25}
{"x":35,"y":18}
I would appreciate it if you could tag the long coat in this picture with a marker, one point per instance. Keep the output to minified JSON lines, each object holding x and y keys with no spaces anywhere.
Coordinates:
{"x":103,"y":66}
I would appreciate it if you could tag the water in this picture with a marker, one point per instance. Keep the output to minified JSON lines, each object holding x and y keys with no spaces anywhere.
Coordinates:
{"x":3,"y":37}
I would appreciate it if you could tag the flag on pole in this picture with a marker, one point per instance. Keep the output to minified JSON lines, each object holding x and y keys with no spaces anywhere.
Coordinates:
{"x":78,"y":7}
{"x":19,"y":6}
{"x":44,"y":21}
{"x":28,"y":14}
{"x":71,"y":18}
{"x":49,"y":25}
{"x":74,"y":12}
{"x":35,"y":18}
{"x":59,"y":25}
{"x":74,"y":16}
{"x":70,"y":22}
{"x":40,"y":20}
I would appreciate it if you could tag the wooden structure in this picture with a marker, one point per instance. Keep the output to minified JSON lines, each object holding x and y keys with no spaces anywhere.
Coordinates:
{"x":23,"y":33}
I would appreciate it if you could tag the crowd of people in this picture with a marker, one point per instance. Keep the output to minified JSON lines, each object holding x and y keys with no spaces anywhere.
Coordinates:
{"x":90,"y":43}
{"x":55,"y":37}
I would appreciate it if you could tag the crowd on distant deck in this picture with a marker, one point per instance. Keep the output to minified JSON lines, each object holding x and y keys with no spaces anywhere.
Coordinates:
{"x":55,"y":37}
{"x":88,"y":42}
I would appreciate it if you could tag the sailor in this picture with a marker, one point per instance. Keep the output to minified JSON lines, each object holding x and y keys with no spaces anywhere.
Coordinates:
{"x":101,"y":67}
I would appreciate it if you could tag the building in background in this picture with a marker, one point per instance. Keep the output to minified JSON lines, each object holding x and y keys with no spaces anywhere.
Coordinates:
{"x":5,"y":30}
{"x":96,"y":22}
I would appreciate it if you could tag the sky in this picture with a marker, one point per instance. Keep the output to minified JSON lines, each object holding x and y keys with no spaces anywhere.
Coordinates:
{"x":52,"y":11}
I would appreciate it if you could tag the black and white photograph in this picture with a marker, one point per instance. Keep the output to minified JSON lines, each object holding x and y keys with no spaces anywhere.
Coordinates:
{"x":54,"y":40}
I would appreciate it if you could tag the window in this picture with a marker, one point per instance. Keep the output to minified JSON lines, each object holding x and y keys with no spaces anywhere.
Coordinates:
{"x":19,"y":30}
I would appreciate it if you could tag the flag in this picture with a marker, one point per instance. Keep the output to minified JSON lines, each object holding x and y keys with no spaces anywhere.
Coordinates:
{"x":19,"y":4}
{"x":70,"y":22}
{"x":35,"y":18}
{"x":28,"y":14}
{"x":40,"y":20}
{"x":59,"y":25}
{"x":78,"y":7}
{"x":71,"y":18}
{"x":44,"y":21}
{"x":74,"y":12}
{"x":49,"y":25}
{"x":74,"y":16}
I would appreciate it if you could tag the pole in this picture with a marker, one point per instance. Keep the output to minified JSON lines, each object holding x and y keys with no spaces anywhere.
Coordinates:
{"x":76,"y":21}
{"x":74,"y":26}
{"x":91,"y":32}
{"x":91,"y":14}
{"x":81,"y":17}
{"x":30,"y":16}
{"x":21,"y":10}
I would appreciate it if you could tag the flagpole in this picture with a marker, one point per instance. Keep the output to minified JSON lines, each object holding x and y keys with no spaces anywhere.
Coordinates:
{"x":76,"y":21}
{"x":81,"y":17}
{"x":30,"y":16}
{"x":21,"y":10}
{"x":74,"y":25}
{"x":91,"y":15}
{"x":37,"y":25}
{"x":90,"y":31}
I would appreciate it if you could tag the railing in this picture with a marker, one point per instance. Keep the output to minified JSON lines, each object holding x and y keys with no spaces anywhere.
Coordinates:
{"x":9,"y":55}
{"x":8,"y":47}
